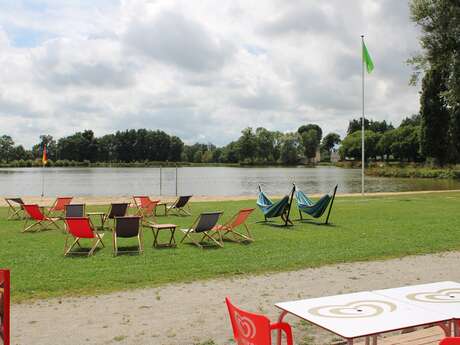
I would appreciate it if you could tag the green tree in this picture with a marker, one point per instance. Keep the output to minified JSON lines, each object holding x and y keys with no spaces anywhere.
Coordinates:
{"x":434,"y":140}
{"x":247,"y":145}
{"x":310,"y":143}
{"x":265,"y":142}
{"x":289,"y":149}
{"x":351,"y":145}
{"x":6,"y":148}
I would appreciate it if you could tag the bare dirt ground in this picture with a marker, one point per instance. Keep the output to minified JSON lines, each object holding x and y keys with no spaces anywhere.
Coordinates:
{"x":195,"y":313}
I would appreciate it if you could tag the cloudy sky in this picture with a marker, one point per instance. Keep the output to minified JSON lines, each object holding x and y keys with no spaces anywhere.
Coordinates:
{"x":202,"y":70}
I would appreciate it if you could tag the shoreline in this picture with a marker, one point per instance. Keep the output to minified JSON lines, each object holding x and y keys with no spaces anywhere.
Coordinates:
{"x":104,"y":200}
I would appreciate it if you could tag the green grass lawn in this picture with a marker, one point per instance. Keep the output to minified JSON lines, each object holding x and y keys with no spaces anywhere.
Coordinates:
{"x":363,"y":229}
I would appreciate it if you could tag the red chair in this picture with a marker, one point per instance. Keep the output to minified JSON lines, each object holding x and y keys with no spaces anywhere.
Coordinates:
{"x":78,"y":228}
{"x":38,"y":217}
{"x":145,"y":206}
{"x":59,"y":205}
{"x":249,"y":328}
{"x":450,"y":341}
{"x":5,"y":306}
{"x":238,"y":220}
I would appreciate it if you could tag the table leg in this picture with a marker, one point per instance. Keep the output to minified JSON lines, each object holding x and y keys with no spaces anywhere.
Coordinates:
{"x":172,"y":240}
{"x":446,"y":327}
{"x":280,"y":319}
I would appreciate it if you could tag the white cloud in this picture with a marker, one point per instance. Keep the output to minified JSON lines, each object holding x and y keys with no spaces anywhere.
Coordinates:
{"x":200,"y":70}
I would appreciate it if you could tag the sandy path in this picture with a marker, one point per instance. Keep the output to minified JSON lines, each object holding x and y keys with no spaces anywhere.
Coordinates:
{"x":104,"y":200}
{"x":185,"y":314}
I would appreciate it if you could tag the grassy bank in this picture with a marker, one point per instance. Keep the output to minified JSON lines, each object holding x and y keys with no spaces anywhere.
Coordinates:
{"x":413,"y":172}
{"x":364,"y":229}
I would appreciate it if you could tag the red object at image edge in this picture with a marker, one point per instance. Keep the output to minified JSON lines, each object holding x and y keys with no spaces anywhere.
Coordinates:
{"x":5,"y":322}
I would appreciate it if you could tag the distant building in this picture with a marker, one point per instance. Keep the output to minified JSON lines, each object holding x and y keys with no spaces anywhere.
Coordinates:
{"x":335,"y":157}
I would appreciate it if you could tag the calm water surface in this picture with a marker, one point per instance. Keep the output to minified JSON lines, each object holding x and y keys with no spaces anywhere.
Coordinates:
{"x":199,"y":181}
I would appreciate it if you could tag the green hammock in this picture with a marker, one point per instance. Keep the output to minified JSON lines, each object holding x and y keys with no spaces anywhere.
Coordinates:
{"x":315,"y":209}
{"x":272,"y":209}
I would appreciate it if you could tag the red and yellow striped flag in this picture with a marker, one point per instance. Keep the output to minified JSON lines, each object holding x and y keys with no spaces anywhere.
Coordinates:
{"x":44,"y":157}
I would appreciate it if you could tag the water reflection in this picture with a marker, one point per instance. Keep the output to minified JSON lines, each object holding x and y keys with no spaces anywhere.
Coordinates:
{"x":200,"y":181}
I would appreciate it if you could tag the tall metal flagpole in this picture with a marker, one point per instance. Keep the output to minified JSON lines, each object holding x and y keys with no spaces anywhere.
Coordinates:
{"x":362,"y":119}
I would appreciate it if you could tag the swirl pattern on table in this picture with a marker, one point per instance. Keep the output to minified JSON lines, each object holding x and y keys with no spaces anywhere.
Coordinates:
{"x":246,"y":327}
{"x":439,"y":296}
{"x":355,"y":309}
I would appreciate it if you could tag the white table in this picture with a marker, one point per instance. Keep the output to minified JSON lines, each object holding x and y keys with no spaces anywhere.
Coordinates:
{"x":369,"y":313}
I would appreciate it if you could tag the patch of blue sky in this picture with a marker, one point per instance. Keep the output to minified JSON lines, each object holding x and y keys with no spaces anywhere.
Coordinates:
{"x":255,"y":50}
{"x":23,"y":37}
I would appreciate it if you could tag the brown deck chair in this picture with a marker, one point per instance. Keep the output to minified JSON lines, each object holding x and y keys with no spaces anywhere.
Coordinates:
{"x":73,"y":211}
{"x":179,"y":206}
{"x":238,"y":220}
{"x":116,"y":210}
{"x":15,"y":208}
{"x":127,"y":227}
{"x":79,"y":228}
{"x":39,"y":218}
{"x":57,"y":209}
{"x":204,"y":225}
{"x":145,"y":207}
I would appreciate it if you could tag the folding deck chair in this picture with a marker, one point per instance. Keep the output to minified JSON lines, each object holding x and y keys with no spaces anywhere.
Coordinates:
{"x":238,"y":220}
{"x":74,"y":210}
{"x":249,"y":328}
{"x":38,"y":217}
{"x":179,"y":205}
{"x":204,"y":225}
{"x":15,"y":208}
{"x":281,"y":208}
{"x":127,"y":227}
{"x":315,"y":209}
{"x":450,"y":341}
{"x":81,"y":228}
{"x":145,"y":207}
{"x":57,"y":209}
{"x":116,"y":210}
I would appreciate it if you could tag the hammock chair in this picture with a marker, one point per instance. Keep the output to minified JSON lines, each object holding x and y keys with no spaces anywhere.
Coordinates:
{"x":271,"y":209}
{"x":315,"y":209}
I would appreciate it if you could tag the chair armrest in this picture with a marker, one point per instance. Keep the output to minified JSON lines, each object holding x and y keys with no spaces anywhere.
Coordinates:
{"x":284,"y":327}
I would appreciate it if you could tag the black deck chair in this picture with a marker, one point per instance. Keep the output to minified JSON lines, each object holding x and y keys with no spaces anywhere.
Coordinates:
{"x":116,"y":210}
{"x":127,"y":227}
{"x":74,"y":210}
{"x":15,"y":208}
{"x":204,"y":225}
{"x":179,"y":205}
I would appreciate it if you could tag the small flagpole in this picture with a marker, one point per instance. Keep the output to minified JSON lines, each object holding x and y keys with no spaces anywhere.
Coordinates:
{"x":43,"y":180}
{"x":362,"y":118}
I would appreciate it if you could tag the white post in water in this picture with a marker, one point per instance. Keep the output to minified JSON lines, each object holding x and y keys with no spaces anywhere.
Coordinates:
{"x":176,"y":179}
{"x":43,"y":181}
{"x":160,"y":180}
{"x":362,"y":119}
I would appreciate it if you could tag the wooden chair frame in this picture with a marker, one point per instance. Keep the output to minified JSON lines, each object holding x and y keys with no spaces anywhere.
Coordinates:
{"x":208,"y":234}
{"x":146,"y":212}
{"x":41,"y":223}
{"x":229,"y":229}
{"x":15,"y":212}
{"x":59,"y":212}
{"x":179,"y":210}
{"x":95,"y":242}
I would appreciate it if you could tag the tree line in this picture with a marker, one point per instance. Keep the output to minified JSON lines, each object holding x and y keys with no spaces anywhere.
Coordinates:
{"x":260,"y":146}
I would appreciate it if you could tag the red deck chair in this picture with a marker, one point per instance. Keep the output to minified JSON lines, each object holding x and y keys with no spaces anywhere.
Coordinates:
{"x":145,"y":207}
{"x":38,"y":217}
{"x":236,"y":221}
{"x":5,"y":306}
{"x":254,"y":329}
{"x":450,"y":341}
{"x":78,"y":228}
{"x":58,"y":207}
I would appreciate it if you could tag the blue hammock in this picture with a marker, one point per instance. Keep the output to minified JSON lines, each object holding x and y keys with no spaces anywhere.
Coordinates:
{"x":272,"y":209}
{"x":315,"y":209}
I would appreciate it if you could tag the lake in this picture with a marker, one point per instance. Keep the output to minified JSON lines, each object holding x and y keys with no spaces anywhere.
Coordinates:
{"x":200,"y":181}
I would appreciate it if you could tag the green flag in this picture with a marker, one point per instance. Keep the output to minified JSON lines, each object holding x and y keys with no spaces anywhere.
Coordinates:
{"x":367,"y":59}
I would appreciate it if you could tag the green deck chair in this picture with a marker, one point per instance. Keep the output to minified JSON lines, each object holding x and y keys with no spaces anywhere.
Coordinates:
{"x":281,"y":208}
{"x":315,"y":209}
